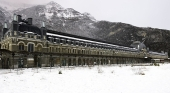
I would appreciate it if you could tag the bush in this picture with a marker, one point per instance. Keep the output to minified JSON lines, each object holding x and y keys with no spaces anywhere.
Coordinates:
{"x":100,"y":70}
{"x":156,"y":64}
{"x":60,"y":72}
{"x":90,"y":67}
{"x":139,"y":71}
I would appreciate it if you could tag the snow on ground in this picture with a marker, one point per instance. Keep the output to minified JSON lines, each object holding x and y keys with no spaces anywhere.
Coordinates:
{"x":102,"y":79}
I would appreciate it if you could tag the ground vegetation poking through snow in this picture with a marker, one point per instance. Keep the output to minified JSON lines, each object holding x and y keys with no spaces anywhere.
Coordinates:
{"x":99,"y":69}
{"x":113,"y":79}
{"x":139,"y":70}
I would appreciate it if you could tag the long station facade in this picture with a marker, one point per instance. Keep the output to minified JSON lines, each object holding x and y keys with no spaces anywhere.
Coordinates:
{"x":26,"y":45}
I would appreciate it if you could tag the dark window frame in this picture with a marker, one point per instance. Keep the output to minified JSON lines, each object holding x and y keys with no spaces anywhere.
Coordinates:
{"x":30,"y":47}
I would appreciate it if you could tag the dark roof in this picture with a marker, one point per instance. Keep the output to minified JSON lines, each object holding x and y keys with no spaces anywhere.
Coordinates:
{"x":30,"y":28}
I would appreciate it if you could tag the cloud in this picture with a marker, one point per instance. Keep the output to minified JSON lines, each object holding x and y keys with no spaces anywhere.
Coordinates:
{"x":24,"y":1}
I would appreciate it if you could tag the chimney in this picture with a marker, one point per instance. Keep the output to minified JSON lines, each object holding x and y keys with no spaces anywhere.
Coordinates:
{"x":5,"y":25}
{"x":43,"y":30}
{"x":29,"y":21}
{"x":14,"y":17}
{"x":5,"y":29}
{"x":19,"y":18}
{"x":43,"y":24}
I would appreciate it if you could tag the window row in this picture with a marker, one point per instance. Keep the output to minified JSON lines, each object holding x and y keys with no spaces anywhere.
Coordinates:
{"x":30,"y":47}
{"x":76,"y":43}
{"x":80,"y":51}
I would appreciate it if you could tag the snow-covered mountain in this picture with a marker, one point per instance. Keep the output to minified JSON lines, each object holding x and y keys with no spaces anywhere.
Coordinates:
{"x":61,"y":19}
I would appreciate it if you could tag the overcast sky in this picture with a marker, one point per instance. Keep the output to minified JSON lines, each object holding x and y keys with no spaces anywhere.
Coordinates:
{"x":142,"y":13}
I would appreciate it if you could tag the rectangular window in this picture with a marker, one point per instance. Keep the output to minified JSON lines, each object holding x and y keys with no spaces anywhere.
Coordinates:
{"x":57,"y":41}
{"x":63,"y":50}
{"x":77,"y":43}
{"x":30,"y":48}
{"x":56,"y":50}
{"x":68,"y":42}
{"x":51,"y":49}
{"x":63,"y":41}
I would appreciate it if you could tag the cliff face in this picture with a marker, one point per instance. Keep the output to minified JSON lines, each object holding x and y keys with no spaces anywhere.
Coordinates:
{"x":71,"y":21}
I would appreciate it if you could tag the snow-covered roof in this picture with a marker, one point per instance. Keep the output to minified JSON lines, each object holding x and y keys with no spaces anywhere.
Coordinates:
{"x":156,"y":53}
{"x":30,"y":32}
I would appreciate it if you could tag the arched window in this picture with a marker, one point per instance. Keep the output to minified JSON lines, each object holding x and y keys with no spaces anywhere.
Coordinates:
{"x":39,"y":48}
{"x":30,"y":47}
{"x":21,"y":46}
{"x":3,"y":47}
{"x":8,"y":45}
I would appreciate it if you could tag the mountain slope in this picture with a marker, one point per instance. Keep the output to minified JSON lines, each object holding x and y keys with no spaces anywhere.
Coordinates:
{"x":57,"y":18}
{"x":4,"y":17}
{"x":125,"y":34}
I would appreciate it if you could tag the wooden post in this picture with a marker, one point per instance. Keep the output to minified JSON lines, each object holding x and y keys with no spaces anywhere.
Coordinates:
{"x":13,"y":59}
{"x":50,"y":61}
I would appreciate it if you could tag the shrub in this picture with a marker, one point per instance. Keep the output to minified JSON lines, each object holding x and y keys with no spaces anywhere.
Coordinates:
{"x":100,"y":70}
{"x":139,"y":71}
{"x":156,"y":64}
{"x":60,"y":72}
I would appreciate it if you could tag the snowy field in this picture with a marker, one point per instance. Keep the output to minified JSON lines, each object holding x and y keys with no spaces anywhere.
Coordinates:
{"x":102,"y":79}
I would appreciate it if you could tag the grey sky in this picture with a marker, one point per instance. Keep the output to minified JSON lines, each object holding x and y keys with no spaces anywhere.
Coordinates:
{"x":142,"y":13}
